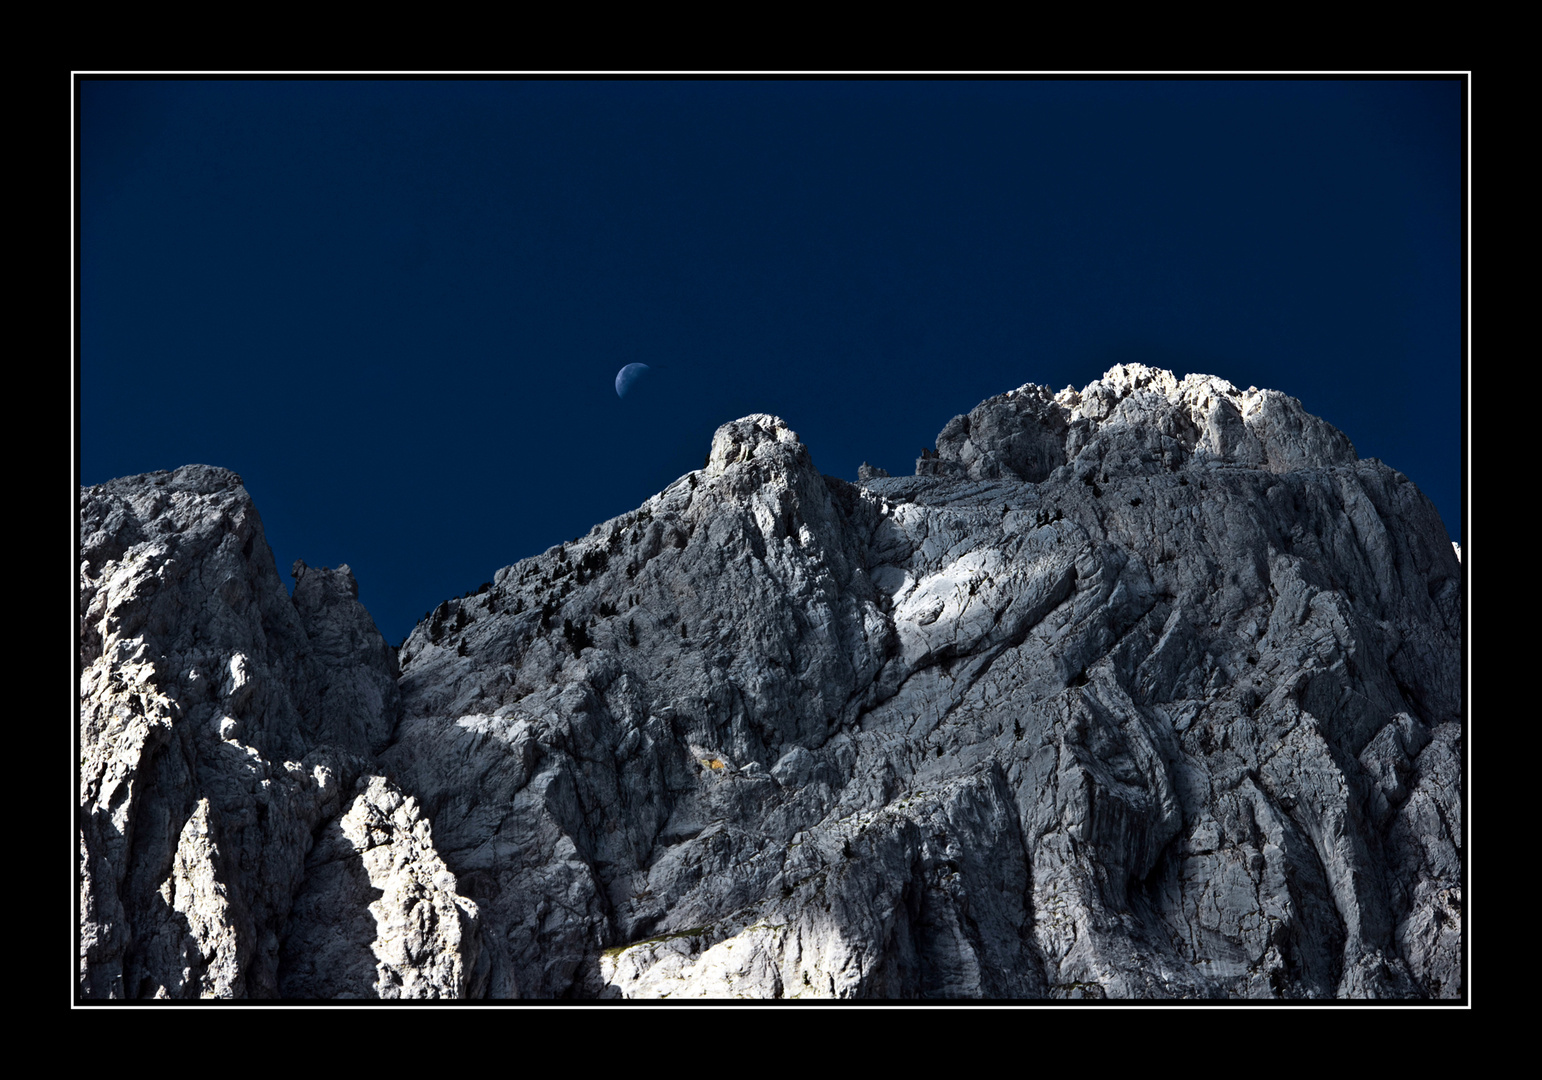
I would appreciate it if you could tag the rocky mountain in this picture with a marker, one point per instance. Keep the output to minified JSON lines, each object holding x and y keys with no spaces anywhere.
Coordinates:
{"x":1149,"y":690}
{"x":235,"y":839}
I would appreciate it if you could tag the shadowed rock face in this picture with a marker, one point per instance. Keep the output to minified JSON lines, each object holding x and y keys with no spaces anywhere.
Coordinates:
{"x":1147,"y":690}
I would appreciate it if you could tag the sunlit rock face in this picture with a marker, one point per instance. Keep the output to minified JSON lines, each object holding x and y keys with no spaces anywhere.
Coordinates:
{"x":1147,"y":690}
{"x":1135,"y":419}
{"x":224,"y":731}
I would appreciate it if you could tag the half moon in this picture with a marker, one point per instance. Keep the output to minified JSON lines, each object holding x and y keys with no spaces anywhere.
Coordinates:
{"x":628,"y":376}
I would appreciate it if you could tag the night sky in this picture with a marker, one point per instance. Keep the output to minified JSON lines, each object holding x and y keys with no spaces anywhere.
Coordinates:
{"x":397,"y":309}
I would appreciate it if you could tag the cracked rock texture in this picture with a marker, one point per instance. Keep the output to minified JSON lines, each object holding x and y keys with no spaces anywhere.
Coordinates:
{"x":230,"y":831}
{"x":1147,"y":690}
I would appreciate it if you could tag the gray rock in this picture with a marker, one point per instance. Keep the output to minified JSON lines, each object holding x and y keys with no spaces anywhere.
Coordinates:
{"x":357,"y":669}
{"x":1132,"y":692}
{"x":1134,"y":419}
{"x":220,"y":725}
{"x":377,"y":914}
{"x":1148,"y":690}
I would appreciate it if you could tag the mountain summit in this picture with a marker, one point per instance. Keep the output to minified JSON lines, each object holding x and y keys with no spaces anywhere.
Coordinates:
{"x":1147,"y":690}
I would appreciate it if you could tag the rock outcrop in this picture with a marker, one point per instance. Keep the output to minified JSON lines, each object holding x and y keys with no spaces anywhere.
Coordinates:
{"x":1151,"y":690}
{"x":231,"y":833}
{"x":1135,"y":419}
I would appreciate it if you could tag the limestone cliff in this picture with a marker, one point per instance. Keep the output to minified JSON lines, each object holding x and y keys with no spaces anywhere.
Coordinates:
{"x":233,"y":842}
{"x":1147,"y":690}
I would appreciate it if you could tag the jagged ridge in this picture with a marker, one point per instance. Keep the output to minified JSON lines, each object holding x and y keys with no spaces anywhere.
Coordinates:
{"x":1147,"y":690}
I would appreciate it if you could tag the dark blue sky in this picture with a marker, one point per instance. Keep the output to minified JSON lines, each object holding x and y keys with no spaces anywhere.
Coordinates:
{"x":397,"y":308}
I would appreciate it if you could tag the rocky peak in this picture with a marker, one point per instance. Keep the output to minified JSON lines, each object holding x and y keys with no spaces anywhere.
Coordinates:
{"x":1134,"y":419}
{"x":224,"y":728}
{"x":1147,"y":690}
{"x":760,"y":436}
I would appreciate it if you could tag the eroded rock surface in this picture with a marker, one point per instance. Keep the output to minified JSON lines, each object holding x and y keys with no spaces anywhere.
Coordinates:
{"x":223,"y":727}
{"x":1147,"y":690}
{"x":1134,"y":419}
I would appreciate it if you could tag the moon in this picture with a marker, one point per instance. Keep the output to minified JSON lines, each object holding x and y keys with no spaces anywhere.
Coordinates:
{"x":627,"y":376}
